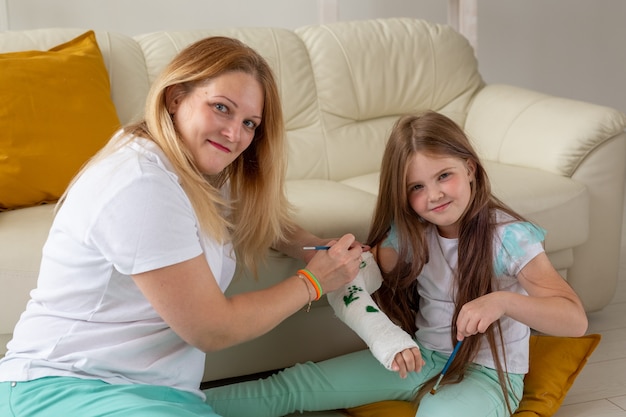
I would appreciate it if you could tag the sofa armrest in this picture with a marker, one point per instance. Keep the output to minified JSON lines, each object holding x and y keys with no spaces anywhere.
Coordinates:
{"x":582,"y":141}
{"x":516,"y":126}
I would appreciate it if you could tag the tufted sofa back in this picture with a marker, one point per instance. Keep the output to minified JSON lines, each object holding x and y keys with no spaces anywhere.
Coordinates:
{"x":366,"y":74}
{"x":331,"y":81}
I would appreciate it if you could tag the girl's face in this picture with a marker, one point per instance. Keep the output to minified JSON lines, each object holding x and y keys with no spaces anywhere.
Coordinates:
{"x":217,"y":120}
{"x":439,"y":190}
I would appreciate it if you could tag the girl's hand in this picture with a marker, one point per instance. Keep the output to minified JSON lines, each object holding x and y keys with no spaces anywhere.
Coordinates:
{"x":551,"y":306}
{"x":408,"y":360}
{"x":477,"y":315}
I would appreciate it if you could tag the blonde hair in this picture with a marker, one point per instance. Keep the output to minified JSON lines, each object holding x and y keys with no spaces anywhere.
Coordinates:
{"x":255,"y":212}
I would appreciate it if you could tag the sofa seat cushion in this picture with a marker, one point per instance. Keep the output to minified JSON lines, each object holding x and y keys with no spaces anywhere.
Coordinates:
{"x":27,"y":230}
{"x":368,"y":183}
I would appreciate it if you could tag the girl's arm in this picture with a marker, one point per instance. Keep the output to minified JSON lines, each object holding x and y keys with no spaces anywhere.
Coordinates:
{"x":551,"y":306}
{"x":390,"y":344}
{"x":386,"y":256}
{"x":188,"y":298}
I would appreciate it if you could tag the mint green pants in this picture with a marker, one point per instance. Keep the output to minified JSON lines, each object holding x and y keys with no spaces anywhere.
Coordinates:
{"x":73,"y":397}
{"x":358,"y":378}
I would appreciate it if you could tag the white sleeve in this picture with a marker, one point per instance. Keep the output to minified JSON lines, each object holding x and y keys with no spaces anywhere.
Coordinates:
{"x":146,"y":224}
{"x":354,"y":305}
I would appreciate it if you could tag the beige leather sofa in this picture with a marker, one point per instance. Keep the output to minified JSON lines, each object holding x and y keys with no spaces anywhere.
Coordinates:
{"x":558,"y":161}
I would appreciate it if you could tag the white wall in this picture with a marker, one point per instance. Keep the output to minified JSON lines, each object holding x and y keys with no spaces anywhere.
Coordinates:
{"x":570,"y":48}
{"x":141,"y":16}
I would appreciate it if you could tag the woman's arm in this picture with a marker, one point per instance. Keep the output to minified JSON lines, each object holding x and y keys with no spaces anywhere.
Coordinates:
{"x":188,"y":298}
{"x":551,"y":306}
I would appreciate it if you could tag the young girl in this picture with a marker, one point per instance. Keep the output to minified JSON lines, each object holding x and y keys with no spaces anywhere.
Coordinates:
{"x":457,"y":265}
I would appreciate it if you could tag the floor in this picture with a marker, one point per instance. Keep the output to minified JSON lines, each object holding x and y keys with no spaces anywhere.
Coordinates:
{"x":600,"y":389}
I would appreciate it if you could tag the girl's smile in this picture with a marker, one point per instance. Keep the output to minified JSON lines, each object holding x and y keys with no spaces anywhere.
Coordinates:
{"x":441,"y":207}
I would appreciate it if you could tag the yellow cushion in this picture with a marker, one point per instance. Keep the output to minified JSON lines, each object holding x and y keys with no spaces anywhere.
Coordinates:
{"x":56,"y":112}
{"x":555,"y":362}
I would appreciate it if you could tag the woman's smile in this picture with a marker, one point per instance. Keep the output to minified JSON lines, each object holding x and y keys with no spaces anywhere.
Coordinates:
{"x":219,"y":146}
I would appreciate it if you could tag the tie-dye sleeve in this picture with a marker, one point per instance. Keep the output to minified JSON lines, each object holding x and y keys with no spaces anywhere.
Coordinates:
{"x":519,"y":243}
{"x":391,"y":240}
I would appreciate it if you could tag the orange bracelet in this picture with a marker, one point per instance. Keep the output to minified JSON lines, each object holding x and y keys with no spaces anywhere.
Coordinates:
{"x":309,"y":275}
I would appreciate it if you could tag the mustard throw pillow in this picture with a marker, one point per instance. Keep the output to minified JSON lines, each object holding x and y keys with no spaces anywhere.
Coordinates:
{"x":56,"y":112}
{"x":555,"y":362}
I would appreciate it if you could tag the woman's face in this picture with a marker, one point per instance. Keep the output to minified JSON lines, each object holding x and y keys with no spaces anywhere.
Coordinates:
{"x":217,"y":120}
{"x":439,"y":190}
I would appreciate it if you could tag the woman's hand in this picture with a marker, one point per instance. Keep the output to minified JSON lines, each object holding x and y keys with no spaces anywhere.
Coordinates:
{"x":408,"y":360}
{"x":338,"y":265}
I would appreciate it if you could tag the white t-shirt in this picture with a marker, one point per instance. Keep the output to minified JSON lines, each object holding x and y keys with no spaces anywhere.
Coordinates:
{"x":515,"y":244}
{"x":126,"y":215}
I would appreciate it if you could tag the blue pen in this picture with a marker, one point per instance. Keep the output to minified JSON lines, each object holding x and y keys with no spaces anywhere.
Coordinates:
{"x":321,"y":247}
{"x":362,"y":265}
{"x":447,"y":365}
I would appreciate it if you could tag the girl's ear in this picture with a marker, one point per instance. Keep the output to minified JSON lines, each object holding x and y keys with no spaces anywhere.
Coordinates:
{"x":172,"y":98}
{"x":471,"y":169}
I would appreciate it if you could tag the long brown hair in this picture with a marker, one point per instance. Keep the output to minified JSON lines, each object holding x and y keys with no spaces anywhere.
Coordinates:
{"x":435,"y":134}
{"x":255,"y":213}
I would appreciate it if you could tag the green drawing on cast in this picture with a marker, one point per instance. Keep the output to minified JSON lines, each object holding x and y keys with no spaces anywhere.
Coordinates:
{"x":347,"y":299}
{"x":371,"y":309}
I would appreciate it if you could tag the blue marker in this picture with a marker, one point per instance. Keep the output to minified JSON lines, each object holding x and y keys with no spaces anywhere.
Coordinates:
{"x":447,"y":365}
{"x":316,"y":248}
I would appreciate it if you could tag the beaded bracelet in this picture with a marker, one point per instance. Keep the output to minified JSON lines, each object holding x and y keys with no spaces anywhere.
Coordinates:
{"x":316,"y":284}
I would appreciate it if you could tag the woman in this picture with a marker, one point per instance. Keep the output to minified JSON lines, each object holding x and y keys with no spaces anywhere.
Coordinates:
{"x":130,"y":291}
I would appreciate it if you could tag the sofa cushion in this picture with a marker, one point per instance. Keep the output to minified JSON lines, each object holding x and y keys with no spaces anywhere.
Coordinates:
{"x":122,"y":58}
{"x":26,"y":231}
{"x":363,"y":71}
{"x":290,"y":62}
{"x":57,"y":114}
{"x":330,"y":209}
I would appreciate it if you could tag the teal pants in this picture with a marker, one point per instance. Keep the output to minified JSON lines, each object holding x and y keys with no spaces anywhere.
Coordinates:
{"x":342,"y":382}
{"x":73,"y":397}
{"x":358,"y":378}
